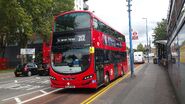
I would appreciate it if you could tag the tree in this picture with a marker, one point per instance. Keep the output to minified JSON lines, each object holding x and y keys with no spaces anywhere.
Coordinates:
{"x":140,"y":47}
{"x":15,"y":24}
{"x":160,"y":30}
{"x":20,"y":19}
{"x":62,"y":6}
{"x":41,"y":13}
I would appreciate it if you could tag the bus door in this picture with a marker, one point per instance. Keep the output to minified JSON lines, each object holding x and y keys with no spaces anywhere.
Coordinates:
{"x":116,"y":69}
{"x":99,"y":67}
{"x":115,"y":62}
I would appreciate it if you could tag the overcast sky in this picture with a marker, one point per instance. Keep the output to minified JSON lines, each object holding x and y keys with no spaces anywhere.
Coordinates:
{"x":114,"y":13}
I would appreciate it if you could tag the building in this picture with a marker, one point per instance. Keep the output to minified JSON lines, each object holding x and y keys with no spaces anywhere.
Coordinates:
{"x":12,"y":52}
{"x":176,"y":47}
{"x":80,"y":5}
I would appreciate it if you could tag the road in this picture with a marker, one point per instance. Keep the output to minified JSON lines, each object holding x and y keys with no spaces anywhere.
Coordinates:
{"x":76,"y":96}
{"x":36,"y":89}
{"x":13,"y":88}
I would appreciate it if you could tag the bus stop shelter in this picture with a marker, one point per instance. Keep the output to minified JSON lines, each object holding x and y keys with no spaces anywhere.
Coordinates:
{"x":161,"y":50}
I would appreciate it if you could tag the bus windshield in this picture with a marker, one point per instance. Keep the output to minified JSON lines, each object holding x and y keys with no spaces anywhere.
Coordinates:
{"x":70,"y":61}
{"x":72,"y":21}
{"x":70,"y":43}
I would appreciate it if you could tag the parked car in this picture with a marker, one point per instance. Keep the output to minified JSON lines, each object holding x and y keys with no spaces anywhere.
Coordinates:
{"x":28,"y":69}
{"x":44,"y":70}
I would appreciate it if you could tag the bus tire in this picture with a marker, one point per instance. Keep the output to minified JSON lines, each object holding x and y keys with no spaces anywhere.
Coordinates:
{"x":106,"y":79}
{"x":122,"y":72}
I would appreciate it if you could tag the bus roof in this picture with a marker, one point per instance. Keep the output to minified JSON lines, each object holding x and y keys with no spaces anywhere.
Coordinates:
{"x":91,"y":14}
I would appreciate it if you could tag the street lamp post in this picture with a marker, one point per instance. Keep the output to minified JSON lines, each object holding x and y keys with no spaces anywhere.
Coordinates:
{"x":130,"y":38}
{"x":147,"y":38}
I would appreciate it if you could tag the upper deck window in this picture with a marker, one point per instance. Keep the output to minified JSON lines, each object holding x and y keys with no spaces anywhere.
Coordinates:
{"x":72,"y":21}
{"x":98,"y":25}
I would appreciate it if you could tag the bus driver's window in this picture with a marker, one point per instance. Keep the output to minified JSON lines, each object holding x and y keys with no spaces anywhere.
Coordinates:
{"x":95,"y":24}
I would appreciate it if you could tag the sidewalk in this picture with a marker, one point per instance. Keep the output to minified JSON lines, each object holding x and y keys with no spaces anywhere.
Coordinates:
{"x":6,"y":75}
{"x":151,"y":86}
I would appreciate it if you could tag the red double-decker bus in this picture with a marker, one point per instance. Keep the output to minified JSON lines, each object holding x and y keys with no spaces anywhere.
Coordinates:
{"x":85,"y":52}
{"x":45,"y":59}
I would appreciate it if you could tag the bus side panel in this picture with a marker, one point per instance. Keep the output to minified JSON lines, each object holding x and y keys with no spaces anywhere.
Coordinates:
{"x":125,"y":66}
{"x":110,"y":69}
{"x":120,"y":68}
{"x":97,"y":39}
{"x":124,"y":46}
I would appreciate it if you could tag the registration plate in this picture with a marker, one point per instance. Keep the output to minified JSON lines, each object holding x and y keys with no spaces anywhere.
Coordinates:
{"x":69,"y":86}
{"x":40,"y":69}
{"x":19,"y":72}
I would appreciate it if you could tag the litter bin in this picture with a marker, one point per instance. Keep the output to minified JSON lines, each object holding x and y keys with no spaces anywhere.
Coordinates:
{"x":155,"y":60}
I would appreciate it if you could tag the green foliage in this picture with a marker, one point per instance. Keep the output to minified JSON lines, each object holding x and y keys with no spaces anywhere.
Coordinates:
{"x":140,"y":47}
{"x":160,"y":30}
{"x":15,"y":23}
{"x":20,"y":19}
{"x":41,"y":13}
{"x":62,"y":6}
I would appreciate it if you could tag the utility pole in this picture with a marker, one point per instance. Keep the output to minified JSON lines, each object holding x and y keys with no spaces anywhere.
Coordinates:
{"x":149,"y":45}
{"x":147,"y":39}
{"x":130,"y":38}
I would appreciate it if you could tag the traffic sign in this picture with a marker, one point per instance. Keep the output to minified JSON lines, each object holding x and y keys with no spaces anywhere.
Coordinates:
{"x":134,"y":36}
{"x":25,"y":51}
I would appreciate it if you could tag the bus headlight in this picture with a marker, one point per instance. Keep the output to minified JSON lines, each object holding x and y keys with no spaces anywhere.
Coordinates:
{"x":88,"y":77}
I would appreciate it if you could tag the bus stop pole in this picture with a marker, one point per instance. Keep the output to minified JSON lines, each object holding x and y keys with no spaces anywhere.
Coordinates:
{"x":130,"y":38}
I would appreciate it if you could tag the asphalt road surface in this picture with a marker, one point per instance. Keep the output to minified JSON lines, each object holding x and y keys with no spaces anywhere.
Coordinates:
{"x":13,"y":88}
{"x":36,"y":89}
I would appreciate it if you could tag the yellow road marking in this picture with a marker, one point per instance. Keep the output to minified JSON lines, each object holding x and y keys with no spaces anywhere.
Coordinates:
{"x":111,"y":85}
{"x":103,"y":90}
{"x":99,"y":93}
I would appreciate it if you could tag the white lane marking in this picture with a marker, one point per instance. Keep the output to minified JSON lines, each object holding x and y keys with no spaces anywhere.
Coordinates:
{"x":8,"y":85}
{"x":17,"y":100}
{"x":34,"y":87}
{"x":25,"y":94}
{"x":37,"y":77}
{"x":20,"y":79}
{"x":44,"y":92}
{"x":15,"y":81}
{"x":45,"y":82}
{"x":36,"y":97}
{"x":14,"y":86}
{"x":24,"y":79}
{"x":24,"y":86}
{"x":11,"y":86}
